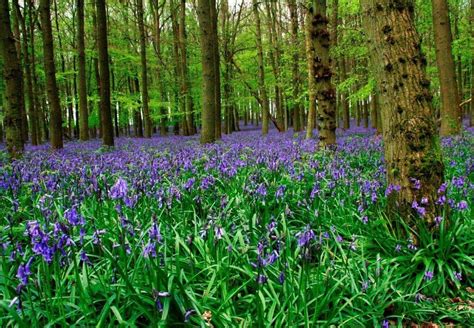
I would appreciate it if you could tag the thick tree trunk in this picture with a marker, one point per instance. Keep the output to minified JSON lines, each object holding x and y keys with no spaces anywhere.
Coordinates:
{"x":450,"y":112}
{"x":102,"y":44}
{"x":261,"y":70}
{"x":83,"y":110}
{"x":56,"y":133}
{"x":13,"y":76}
{"x":325,"y":91}
{"x":412,"y":151}
{"x":146,"y":109}
{"x":16,"y":16}
{"x":208,"y":132}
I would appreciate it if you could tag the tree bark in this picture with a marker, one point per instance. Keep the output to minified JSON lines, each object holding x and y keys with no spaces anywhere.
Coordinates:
{"x":208,"y":132}
{"x":450,"y":112}
{"x":55,"y":120}
{"x":28,"y":75}
{"x":102,"y":44}
{"x":325,"y":91}
{"x":83,"y":110}
{"x":157,"y":12}
{"x":412,"y":151}
{"x":471,"y":121}
{"x":310,"y":55}
{"x":261,"y":70}
{"x":295,"y":74}
{"x":12,"y":76}
{"x":145,"y":98}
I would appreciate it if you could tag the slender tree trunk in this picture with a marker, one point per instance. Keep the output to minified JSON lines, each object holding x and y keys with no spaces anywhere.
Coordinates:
{"x":471,"y":121}
{"x":412,"y":152}
{"x":81,"y":55}
{"x":261,"y":70}
{"x":102,"y":44}
{"x":157,"y":12}
{"x":38,"y":110}
{"x":310,"y":56}
{"x":29,"y":79}
{"x":450,"y":112}
{"x":345,"y":103}
{"x":217,"y":70}
{"x":56,"y":133}
{"x":13,"y":76}
{"x":295,"y":74}
{"x":146,"y":109}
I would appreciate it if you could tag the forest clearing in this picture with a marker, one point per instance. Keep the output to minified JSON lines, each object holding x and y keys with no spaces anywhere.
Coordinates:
{"x":236,"y":163}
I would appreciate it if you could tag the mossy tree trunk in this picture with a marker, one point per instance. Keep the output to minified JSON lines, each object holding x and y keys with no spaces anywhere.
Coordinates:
{"x":209,"y":81}
{"x":102,"y":44}
{"x":55,"y":117}
{"x":12,"y":76}
{"x":81,"y":55}
{"x":450,"y":112}
{"x":411,"y":144}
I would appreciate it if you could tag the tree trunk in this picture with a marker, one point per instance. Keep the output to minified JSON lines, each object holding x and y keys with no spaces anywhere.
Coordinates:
{"x":102,"y":44}
{"x":471,"y":121}
{"x":29,"y":79}
{"x":157,"y":12}
{"x":325,"y":91}
{"x":186,"y":94}
{"x":310,"y":56}
{"x":261,"y":70}
{"x":217,"y":70}
{"x":55,"y":120}
{"x":295,"y":74}
{"x":12,"y":76}
{"x":275,"y":63}
{"x":450,"y":113}
{"x":83,"y":110}
{"x":345,"y":103}
{"x":412,"y":151}
{"x":208,"y":132}
{"x":146,"y":109}
{"x":373,"y":111}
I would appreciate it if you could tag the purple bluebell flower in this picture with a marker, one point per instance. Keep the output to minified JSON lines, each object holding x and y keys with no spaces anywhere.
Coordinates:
{"x":281,"y":278}
{"x":261,"y":279}
{"x":305,"y":236}
{"x":73,"y":217}
{"x":84,"y":258}
{"x":429,"y":275}
{"x":119,"y":190}
{"x":457,"y":275}
{"x":462,"y":205}
{"x":219,"y":232}
{"x":280,"y":191}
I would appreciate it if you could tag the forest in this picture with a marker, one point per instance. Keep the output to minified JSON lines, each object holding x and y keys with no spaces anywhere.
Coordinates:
{"x":237,"y":163}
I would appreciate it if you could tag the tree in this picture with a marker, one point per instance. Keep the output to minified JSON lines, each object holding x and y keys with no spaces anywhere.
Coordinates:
{"x":146,"y":109}
{"x":83,"y":110}
{"x":261,"y":70}
{"x":450,"y":113}
{"x":209,"y":80}
{"x":412,"y":152}
{"x":13,"y":76}
{"x":297,"y":124}
{"x":28,"y":75}
{"x":471,"y":121}
{"x":102,"y":44}
{"x":325,"y":91}
{"x":55,"y":120}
